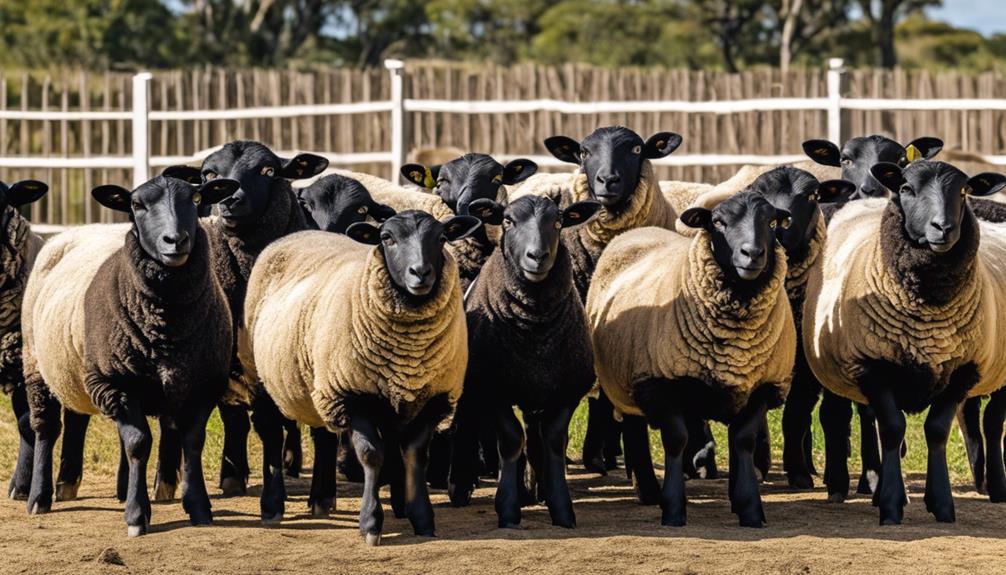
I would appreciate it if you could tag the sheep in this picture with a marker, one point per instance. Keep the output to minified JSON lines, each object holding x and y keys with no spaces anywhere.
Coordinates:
{"x":149,"y":334}
{"x":614,"y":168}
{"x":335,"y":202}
{"x":261,"y":211}
{"x":347,"y":335}
{"x":915,"y":280}
{"x":686,"y":328}
{"x":528,"y":345}
{"x":17,"y":255}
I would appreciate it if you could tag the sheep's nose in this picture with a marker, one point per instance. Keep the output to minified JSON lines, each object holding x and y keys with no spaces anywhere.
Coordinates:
{"x":421,"y":271}
{"x":752,"y":251}
{"x":942,"y":226}
{"x":232,"y":199}
{"x":176,"y":238}
{"x":608,"y":178}
{"x":536,"y":255}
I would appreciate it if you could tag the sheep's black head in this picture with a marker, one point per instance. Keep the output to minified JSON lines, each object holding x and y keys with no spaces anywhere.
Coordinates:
{"x":798,"y":192}
{"x":742,"y":228}
{"x":931,"y":196}
{"x":413,"y":246}
{"x":859,"y":154}
{"x":256,"y":168}
{"x":471,"y":177}
{"x":164,"y":212}
{"x":16,"y":195}
{"x":612,"y":158}
{"x":531,"y":227}
{"x":336,"y":202}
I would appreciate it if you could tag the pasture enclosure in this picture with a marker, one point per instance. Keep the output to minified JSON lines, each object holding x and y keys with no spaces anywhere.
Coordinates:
{"x":76,"y":129}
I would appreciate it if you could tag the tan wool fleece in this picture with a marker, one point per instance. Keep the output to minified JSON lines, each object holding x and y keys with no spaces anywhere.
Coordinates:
{"x":326,"y":326}
{"x":657,"y":308}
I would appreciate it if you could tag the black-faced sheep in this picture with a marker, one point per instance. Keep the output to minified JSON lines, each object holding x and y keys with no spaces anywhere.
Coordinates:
{"x":696,"y":328}
{"x":916,"y":282}
{"x":347,"y":335}
{"x":529,"y":346}
{"x":335,"y":202}
{"x":149,"y":334}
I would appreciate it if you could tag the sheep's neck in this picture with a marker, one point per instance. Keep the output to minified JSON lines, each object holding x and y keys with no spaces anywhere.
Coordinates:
{"x":522,"y":302}
{"x":722,"y":299}
{"x":176,"y":287}
{"x":799,"y":267}
{"x":635,"y":213}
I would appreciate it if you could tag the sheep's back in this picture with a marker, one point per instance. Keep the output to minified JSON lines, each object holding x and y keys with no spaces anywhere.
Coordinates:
{"x":992,"y":271}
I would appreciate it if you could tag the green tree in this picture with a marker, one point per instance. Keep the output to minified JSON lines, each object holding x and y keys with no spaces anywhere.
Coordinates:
{"x":882,"y":17}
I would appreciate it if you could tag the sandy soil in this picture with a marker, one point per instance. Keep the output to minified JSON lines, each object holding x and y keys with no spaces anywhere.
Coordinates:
{"x":615,"y":535}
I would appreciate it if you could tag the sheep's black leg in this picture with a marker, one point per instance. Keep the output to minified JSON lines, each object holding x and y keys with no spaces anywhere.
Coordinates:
{"x":763,"y":449}
{"x":415,"y":456}
{"x":347,"y":463}
{"x":553,"y":428}
{"x":71,"y":456}
{"x":638,"y":459}
{"x":136,"y":439}
{"x":938,"y":499}
{"x":511,"y":442}
{"x":612,"y":441}
{"x":600,"y":416}
{"x":234,"y":468}
{"x":674,"y":434}
{"x":487,"y":454}
{"x":169,"y":460}
{"x":995,"y":412}
{"x":323,"y":482}
{"x":530,"y":464}
{"x":293,"y":451}
{"x":394,"y":472}
{"x":869,"y":450}
{"x":464,"y":451}
{"x":45,"y":422}
{"x":370,"y":451}
{"x":890,"y":493}
{"x":195,"y":500}
{"x":700,"y":453}
{"x":20,"y":482}
{"x":122,"y":476}
{"x":745,"y":500}
{"x":797,"y":440}
{"x":439,"y":469}
{"x":970,"y":421}
{"x":836,"y":420}
{"x":268,"y":423}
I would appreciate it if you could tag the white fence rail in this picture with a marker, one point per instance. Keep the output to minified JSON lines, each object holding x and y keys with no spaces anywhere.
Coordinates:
{"x":141,"y":116}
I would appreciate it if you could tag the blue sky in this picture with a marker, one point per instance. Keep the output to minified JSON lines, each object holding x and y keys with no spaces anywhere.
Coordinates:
{"x":985,"y":16}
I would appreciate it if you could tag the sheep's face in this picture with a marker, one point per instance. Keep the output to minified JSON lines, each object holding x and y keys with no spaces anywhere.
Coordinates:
{"x":336,"y":202}
{"x":798,"y":192}
{"x":257,"y":169}
{"x":612,"y":159}
{"x":471,"y":177}
{"x":860,"y":154}
{"x":164,"y":212}
{"x":412,"y":243}
{"x":931,"y":196}
{"x":16,"y":195}
{"x":742,"y":229}
{"x":531,"y":228}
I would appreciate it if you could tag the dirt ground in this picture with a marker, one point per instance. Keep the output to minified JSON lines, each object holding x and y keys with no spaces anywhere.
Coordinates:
{"x":615,"y":535}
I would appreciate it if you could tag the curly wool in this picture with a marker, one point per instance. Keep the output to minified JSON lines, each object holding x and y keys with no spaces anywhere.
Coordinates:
{"x":20,"y":248}
{"x":327,"y":326}
{"x":659,"y":308}
{"x":898,"y":302}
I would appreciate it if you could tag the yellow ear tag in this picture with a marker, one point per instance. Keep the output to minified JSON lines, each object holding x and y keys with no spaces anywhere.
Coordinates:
{"x":912,"y":154}
{"x":415,"y":176}
{"x":428,"y":180}
{"x":196,"y":198}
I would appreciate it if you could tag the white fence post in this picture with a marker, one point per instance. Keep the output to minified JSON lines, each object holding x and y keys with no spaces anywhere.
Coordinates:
{"x":141,"y":128}
{"x":835,"y":100}
{"x":397,"y":69}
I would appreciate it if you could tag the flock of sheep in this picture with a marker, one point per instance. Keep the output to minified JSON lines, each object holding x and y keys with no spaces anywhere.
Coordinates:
{"x":402,"y":324}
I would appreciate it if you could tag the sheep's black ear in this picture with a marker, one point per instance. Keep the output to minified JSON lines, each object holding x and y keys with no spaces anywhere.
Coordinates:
{"x":112,"y":197}
{"x":783,"y":218}
{"x":699,"y":218}
{"x":579,"y":213}
{"x":661,"y":144}
{"x":835,"y":191}
{"x":26,"y":192}
{"x":460,"y":227}
{"x":184,"y":173}
{"x":364,"y":233}
{"x":380,"y":212}
{"x":564,"y":148}
{"x":215,"y":190}
{"x":927,"y":146}
{"x":823,"y":152}
{"x":302,"y":166}
{"x":419,"y":175}
{"x":986,"y":184}
{"x":889,"y":175}
{"x":516,"y":171}
{"x":489,"y":211}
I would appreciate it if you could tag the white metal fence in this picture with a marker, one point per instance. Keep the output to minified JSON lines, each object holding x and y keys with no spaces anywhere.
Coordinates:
{"x":141,"y":117}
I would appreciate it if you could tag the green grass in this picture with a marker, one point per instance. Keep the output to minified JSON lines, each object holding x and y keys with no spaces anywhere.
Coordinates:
{"x":101,"y":452}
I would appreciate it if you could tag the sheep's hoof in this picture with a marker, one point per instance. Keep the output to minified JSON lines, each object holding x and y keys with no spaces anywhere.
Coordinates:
{"x":136,"y":530}
{"x":232,"y":487}
{"x":800,"y":481}
{"x":886,"y":522}
{"x":39,"y":509}
{"x":868,"y":483}
{"x":18,"y":495}
{"x":372,"y":539}
{"x":67,"y":491}
{"x":754,"y":523}
{"x":164,"y":491}
{"x":460,"y":497}
{"x":595,"y":465}
{"x":272,"y":520}
{"x":509,"y":525}
{"x":836,"y":498}
{"x":321,"y":509}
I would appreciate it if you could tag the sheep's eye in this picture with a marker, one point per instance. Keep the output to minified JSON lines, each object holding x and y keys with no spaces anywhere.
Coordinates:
{"x":965,"y":190}
{"x":210,"y":175}
{"x":387,"y":240}
{"x":361,"y":210}
{"x":443,"y":238}
{"x":268,"y":171}
{"x":772,"y":224}
{"x":718,"y":224}
{"x":814,"y":197}
{"x":584,"y":152}
{"x":637,"y":150}
{"x":905,"y":189}
{"x":498,"y":179}
{"x":196,"y":198}
{"x":846,"y":162}
{"x":137,"y":206}
{"x":507,"y":222}
{"x":558,"y":225}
